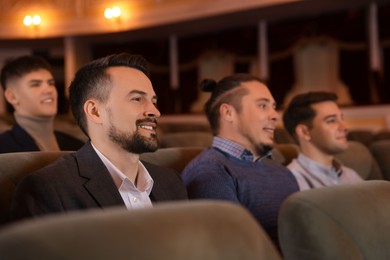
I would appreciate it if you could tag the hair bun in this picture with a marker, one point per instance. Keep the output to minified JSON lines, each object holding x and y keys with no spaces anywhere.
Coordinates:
{"x":208,"y":85}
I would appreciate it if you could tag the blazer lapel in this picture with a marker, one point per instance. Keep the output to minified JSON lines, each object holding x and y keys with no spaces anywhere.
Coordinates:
{"x":159,"y":191}
{"x":100,"y":184}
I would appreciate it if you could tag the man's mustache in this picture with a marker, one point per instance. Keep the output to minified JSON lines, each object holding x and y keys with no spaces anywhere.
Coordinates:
{"x":146,"y":120}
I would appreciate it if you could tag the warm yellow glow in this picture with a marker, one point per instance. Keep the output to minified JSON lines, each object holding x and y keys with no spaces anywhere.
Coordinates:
{"x":113,"y":12}
{"x":32,"y":20}
{"x":116,"y":11}
{"x":27,"y":20}
{"x":36,"y":20}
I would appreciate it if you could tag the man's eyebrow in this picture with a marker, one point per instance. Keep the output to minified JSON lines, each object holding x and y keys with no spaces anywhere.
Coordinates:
{"x":140,"y":92}
{"x":40,"y":80}
{"x":35,"y":81}
{"x":330,"y":116}
{"x":266,"y":100}
{"x":137,"y":92}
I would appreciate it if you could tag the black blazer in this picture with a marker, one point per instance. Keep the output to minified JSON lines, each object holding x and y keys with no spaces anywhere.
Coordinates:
{"x":18,"y":140}
{"x":79,"y":181}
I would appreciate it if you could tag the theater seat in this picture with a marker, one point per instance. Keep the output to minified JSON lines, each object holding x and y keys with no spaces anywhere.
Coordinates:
{"x":183,"y":139}
{"x":359,"y":158}
{"x":14,"y":167}
{"x":173,"y":157}
{"x":183,"y":230}
{"x":381,"y":152}
{"x":337,"y":222}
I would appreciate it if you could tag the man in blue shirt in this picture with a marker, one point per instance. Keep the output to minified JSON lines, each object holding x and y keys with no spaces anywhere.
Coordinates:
{"x":237,"y":167}
{"x":316,"y":122}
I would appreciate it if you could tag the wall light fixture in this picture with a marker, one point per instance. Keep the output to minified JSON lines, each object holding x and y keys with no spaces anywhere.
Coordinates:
{"x":32,"y":20}
{"x":112,"y":13}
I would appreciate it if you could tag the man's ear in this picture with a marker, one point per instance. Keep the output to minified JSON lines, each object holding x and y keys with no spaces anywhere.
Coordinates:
{"x":303,"y":133}
{"x":11,"y":96}
{"x":227,"y":112}
{"x":91,"y":110}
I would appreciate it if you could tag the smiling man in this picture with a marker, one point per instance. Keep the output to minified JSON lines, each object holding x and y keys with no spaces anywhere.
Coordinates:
{"x":29,"y":87}
{"x":237,"y":167}
{"x":113,"y":101}
{"x":316,"y":122}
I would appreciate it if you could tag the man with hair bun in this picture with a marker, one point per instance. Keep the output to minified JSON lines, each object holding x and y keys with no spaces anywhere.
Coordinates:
{"x":238,"y":166}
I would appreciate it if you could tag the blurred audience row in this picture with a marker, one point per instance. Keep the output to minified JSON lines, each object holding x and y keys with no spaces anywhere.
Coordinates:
{"x":114,"y":104}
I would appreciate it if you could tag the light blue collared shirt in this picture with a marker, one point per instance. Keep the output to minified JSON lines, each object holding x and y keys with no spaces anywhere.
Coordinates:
{"x":310,"y":174}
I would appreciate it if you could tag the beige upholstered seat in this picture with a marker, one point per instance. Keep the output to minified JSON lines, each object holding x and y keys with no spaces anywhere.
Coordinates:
{"x":381,"y":152}
{"x":361,"y":135}
{"x":173,"y":157}
{"x":187,"y":230}
{"x":337,"y":222}
{"x":359,"y":158}
{"x":281,"y":136}
{"x":183,"y":139}
{"x":382,"y":135}
{"x":285,"y":153}
{"x":15,"y":166}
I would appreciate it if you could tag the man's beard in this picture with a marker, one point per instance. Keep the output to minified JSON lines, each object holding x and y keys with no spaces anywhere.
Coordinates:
{"x":134,"y":143}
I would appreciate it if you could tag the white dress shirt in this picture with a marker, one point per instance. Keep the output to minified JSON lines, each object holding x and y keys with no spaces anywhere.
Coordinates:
{"x":133,"y":196}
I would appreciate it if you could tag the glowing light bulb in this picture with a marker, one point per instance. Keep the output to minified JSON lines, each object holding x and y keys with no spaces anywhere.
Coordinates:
{"x":27,"y":20}
{"x":36,"y":20}
{"x":108,"y":13}
{"x":114,"y":12}
{"x":32,"y":20}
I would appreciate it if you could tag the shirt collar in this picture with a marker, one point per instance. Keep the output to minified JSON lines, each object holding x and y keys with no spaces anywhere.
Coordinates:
{"x":234,"y":149}
{"x":144,"y":179}
{"x":336,"y":170}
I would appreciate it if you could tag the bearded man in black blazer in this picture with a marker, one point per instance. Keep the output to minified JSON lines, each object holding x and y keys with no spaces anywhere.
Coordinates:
{"x":114,"y":103}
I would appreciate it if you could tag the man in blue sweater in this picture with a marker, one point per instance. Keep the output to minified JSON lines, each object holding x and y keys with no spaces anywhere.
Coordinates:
{"x":238,"y":166}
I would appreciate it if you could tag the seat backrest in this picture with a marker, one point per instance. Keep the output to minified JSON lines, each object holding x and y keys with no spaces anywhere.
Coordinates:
{"x":361,"y":135}
{"x":359,"y":158}
{"x":181,"y":230}
{"x":281,"y":136}
{"x":382,"y":135}
{"x":337,"y":222}
{"x":14,"y":167}
{"x":182,"y":139}
{"x":381,"y":152}
{"x":285,"y":153}
{"x":173,"y":157}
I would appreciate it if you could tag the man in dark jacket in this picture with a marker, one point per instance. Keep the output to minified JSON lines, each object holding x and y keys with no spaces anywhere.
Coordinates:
{"x":29,"y":86}
{"x":113,"y":101}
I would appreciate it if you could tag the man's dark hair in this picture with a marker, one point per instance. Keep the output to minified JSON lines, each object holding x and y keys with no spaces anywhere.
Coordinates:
{"x":224,"y":91}
{"x":300,"y":110}
{"x":20,"y":66}
{"x":92,"y":81}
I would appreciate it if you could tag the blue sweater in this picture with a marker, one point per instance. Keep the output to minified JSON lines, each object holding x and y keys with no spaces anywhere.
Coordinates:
{"x":259,"y":186}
